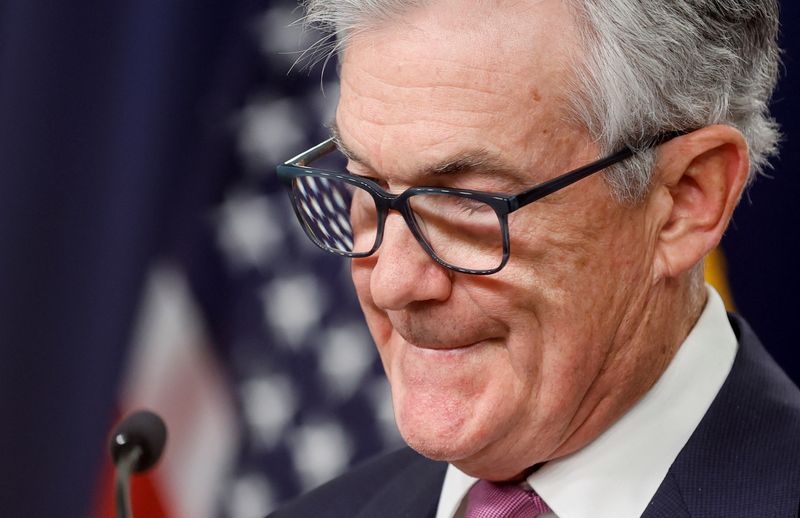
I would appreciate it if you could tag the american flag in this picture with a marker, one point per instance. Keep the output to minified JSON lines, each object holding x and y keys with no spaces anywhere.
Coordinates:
{"x":288,"y":342}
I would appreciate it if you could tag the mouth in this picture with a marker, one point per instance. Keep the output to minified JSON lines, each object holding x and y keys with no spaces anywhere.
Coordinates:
{"x":428,"y":335}
{"x":443,"y":346}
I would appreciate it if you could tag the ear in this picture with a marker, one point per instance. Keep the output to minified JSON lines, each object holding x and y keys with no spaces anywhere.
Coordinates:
{"x":698,"y":182}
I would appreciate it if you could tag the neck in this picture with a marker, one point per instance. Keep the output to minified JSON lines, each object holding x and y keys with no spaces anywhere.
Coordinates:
{"x":649,"y":336}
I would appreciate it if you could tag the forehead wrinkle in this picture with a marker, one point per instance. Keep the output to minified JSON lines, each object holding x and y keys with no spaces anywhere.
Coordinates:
{"x":465,"y":94}
{"x":440,"y":75}
{"x":459,"y":84}
{"x":388,"y":95}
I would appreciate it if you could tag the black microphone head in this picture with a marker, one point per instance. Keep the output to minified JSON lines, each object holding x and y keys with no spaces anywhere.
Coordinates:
{"x":143,"y":429}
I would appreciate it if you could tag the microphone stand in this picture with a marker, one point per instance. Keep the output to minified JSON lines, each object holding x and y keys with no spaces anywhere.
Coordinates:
{"x":125,"y":468}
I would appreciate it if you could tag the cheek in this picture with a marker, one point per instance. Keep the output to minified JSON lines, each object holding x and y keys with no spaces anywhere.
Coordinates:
{"x":564,"y":293}
{"x":579,"y":252}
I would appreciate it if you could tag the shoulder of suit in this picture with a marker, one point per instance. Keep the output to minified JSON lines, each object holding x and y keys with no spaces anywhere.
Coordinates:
{"x":745,"y":454}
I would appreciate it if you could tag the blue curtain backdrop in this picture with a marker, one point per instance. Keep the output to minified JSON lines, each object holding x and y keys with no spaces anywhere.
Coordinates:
{"x":111,"y":135}
{"x":116,"y":138}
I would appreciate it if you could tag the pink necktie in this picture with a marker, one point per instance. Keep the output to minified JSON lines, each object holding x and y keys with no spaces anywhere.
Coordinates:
{"x":490,"y":500}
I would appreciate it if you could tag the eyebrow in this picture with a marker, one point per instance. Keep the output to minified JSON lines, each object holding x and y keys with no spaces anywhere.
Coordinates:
{"x":480,"y":160}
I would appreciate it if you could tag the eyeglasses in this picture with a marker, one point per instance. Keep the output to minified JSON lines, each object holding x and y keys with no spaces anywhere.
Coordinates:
{"x":463,"y":230}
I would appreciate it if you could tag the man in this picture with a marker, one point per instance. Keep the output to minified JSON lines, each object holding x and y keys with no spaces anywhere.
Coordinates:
{"x":552,"y":349}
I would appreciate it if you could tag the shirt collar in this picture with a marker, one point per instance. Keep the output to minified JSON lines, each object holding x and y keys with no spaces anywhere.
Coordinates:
{"x":618,"y":473}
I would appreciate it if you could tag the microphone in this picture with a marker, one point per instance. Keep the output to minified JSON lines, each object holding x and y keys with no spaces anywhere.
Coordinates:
{"x":136,"y":445}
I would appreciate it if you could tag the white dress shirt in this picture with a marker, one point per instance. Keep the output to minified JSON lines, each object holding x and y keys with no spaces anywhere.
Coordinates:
{"x":617,"y":474}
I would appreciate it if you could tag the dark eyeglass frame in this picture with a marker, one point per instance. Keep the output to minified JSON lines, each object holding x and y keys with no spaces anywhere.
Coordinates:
{"x":502,"y":204}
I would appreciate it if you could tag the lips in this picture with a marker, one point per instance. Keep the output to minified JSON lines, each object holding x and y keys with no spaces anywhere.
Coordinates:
{"x":433,"y":328}
{"x":437,"y":336}
{"x":448,"y":346}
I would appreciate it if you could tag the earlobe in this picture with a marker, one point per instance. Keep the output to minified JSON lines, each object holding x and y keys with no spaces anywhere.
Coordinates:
{"x":699,"y":180}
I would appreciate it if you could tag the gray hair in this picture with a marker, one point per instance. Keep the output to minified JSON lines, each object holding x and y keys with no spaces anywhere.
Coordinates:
{"x":646,"y":67}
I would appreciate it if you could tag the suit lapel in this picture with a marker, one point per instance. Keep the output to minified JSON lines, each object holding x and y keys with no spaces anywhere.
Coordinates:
{"x":412,"y":493}
{"x":741,"y":459}
{"x":667,"y":502}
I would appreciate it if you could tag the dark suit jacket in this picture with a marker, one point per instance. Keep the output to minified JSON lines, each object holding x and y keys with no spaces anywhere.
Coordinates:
{"x":743,"y":460}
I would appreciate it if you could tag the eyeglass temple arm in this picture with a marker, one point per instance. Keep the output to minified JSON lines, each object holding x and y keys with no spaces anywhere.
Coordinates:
{"x":312,"y":154}
{"x":571,"y":177}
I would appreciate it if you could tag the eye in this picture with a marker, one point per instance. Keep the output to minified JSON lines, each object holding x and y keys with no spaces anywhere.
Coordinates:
{"x":471,"y":206}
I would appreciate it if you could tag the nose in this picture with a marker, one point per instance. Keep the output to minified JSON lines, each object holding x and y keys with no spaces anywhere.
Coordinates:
{"x":403,"y":272}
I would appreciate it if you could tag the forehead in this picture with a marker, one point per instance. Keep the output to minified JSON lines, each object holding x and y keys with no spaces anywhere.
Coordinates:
{"x":466,"y":73}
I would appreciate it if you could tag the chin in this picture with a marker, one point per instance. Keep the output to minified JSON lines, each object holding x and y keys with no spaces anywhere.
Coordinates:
{"x":469,"y":454}
{"x":438,"y":448}
{"x":447,"y":406}
{"x":442,"y":429}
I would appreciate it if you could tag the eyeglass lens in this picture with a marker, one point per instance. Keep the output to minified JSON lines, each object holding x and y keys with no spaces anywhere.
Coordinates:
{"x":462,"y":232}
{"x":343,"y":218}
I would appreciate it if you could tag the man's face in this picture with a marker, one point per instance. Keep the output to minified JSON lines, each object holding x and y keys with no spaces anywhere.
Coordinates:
{"x":499,"y":372}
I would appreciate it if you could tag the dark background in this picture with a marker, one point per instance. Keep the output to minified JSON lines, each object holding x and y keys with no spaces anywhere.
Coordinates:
{"x":116,"y":131}
{"x":763,"y":242}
